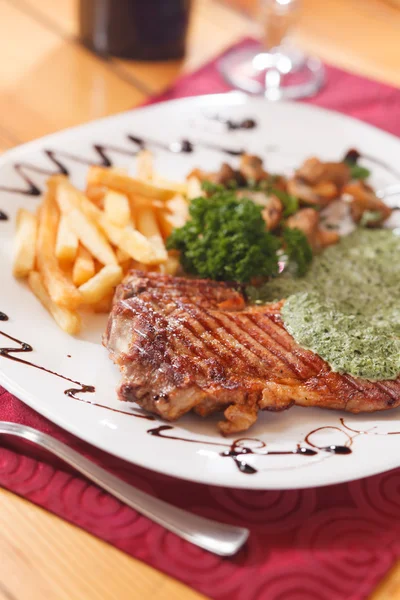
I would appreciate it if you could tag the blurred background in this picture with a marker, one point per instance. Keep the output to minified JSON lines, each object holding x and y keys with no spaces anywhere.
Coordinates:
{"x":49,"y":81}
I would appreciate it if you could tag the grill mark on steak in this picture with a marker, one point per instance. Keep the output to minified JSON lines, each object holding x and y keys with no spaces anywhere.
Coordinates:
{"x":204,"y":345}
{"x":385,"y":388}
{"x":228,"y":343}
{"x":249,"y":341}
{"x":277,"y":351}
{"x":298,"y":367}
{"x":184,"y":344}
{"x":178,"y":341}
{"x":180,"y":325}
{"x":274,"y":327}
{"x":223,"y":350}
{"x":177,"y":326}
{"x":366,"y":387}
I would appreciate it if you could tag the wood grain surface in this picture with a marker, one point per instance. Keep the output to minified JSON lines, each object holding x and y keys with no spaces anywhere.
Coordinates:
{"x":51,"y":83}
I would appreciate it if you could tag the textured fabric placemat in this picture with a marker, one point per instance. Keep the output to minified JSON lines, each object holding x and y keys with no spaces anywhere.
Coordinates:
{"x":352,"y":95}
{"x":331,"y":543}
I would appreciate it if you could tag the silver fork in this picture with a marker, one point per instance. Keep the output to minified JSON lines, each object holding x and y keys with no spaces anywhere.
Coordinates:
{"x":219,"y":538}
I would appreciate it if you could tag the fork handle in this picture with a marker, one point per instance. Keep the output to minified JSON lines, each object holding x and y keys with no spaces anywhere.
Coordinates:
{"x":219,"y":538}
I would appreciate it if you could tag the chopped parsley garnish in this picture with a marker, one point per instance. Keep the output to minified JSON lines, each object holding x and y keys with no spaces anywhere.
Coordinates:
{"x":357,"y":171}
{"x":226,"y":239}
{"x":264,"y":185}
{"x":290,"y":203}
{"x":211,"y":188}
{"x":298,"y":250}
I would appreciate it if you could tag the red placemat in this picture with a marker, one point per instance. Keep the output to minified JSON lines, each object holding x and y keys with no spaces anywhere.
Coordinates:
{"x":365,"y":99}
{"x":331,"y":543}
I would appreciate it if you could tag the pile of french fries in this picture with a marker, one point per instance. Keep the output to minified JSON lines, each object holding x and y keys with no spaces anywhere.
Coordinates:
{"x":79,"y":245}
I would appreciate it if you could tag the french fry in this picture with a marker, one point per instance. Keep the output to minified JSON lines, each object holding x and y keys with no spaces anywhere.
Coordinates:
{"x":145,"y":172}
{"x":99,"y":217}
{"x":84,"y":243}
{"x":174,"y":215}
{"x":147,"y":225}
{"x":193,"y":188}
{"x":60,"y":288}
{"x":165,"y":222}
{"x":175,"y":186}
{"x":171,"y":265}
{"x":122,"y":256}
{"x":120,"y":170}
{"x":96,"y":194}
{"x":91,"y":237}
{"x":67,"y":242}
{"x":101,"y":284}
{"x":117,"y":209}
{"x":127,"y":185}
{"x":65,"y":318}
{"x":83,"y":268}
{"x":89,"y":209}
{"x":24,"y":243}
{"x":144,"y":165}
{"x":134,"y":243}
{"x":70,"y":201}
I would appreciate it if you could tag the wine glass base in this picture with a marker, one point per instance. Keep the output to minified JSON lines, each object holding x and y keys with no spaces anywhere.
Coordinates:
{"x":279,"y":75}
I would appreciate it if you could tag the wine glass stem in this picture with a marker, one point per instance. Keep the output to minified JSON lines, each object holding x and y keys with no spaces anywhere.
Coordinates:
{"x":277,"y":18}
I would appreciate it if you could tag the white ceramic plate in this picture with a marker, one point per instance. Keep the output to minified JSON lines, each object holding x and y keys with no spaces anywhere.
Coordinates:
{"x":286,"y":134}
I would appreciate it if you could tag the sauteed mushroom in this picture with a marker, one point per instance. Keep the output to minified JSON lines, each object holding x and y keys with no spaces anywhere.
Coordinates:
{"x":251,"y":167}
{"x":314,"y":171}
{"x":308,"y":221}
{"x":363,"y":201}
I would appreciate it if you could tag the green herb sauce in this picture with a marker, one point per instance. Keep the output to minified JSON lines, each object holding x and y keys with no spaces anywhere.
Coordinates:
{"x":347,"y":307}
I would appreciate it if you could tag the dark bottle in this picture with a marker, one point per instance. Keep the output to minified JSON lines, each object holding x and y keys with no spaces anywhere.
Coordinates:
{"x":138,"y":29}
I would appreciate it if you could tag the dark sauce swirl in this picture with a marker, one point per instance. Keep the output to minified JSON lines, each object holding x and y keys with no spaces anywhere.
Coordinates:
{"x":333,"y":448}
{"x":236,"y":450}
{"x":25,"y":347}
{"x":103,"y":151}
{"x":234,"y":125}
{"x":70,"y":392}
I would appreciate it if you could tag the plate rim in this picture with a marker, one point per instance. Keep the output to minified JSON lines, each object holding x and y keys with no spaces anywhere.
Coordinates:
{"x":26,"y":397}
{"x":242,"y":100}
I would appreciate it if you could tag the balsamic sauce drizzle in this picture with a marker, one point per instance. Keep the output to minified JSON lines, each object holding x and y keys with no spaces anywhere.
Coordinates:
{"x":234,"y":125}
{"x":122,"y":412}
{"x":24,"y":169}
{"x":240,"y":447}
{"x":335,"y":449}
{"x":55,"y":157}
{"x":24,"y":347}
{"x":70,"y":392}
{"x":366,"y":431}
{"x":3,"y":216}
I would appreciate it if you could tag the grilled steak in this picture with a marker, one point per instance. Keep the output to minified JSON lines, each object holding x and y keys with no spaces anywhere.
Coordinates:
{"x":186,"y":345}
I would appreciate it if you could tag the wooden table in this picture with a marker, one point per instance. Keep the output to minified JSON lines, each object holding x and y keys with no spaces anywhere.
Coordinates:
{"x":48,"y":81}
